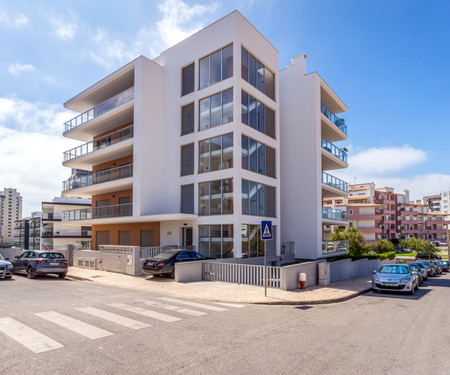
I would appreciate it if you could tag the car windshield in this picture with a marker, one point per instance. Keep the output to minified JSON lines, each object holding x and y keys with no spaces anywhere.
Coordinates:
{"x":51,"y":256}
{"x":394,"y":269}
{"x":420,"y":265}
{"x":414,"y":267}
{"x":1,"y":257}
{"x":165,"y":255}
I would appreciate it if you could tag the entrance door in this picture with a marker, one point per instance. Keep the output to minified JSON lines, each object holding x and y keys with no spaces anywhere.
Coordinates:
{"x":186,"y":237}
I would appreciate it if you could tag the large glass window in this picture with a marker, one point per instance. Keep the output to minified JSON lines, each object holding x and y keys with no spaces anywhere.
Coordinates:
{"x":187,"y":159}
{"x":255,"y":73}
{"x":258,"y":199}
{"x":257,"y":157}
{"x":216,"y":240}
{"x":216,"y":197}
{"x":188,"y":79}
{"x":187,"y":119}
{"x":216,"y":153}
{"x":252,"y":245}
{"x":216,"y":109}
{"x":216,"y":67}
{"x":257,"y":115}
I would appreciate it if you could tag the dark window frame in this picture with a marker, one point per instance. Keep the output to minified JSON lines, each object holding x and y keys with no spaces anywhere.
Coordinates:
{"x":183,"y":92}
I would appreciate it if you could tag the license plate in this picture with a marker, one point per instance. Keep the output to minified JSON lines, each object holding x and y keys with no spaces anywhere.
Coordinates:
{"x":390,"y":284}
{"x":54,"y":264}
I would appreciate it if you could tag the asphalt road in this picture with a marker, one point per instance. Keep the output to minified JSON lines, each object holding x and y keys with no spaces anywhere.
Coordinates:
{"x":53,"y":326}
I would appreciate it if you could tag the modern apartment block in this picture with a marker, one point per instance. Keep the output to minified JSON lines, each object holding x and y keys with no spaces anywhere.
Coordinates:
{"x":28,"y":232}
{"x":10,"y":211}
{"x":184,"y":149}
{"x":310,"y":132}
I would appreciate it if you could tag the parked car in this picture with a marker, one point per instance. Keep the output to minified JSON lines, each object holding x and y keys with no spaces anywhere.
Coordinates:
{"x":164,"y":263}
{"x":430,"y":269}
{"x":444,"y":264}
{"x":6,"y":268}
{"x":422,"y":268}
{"x":427,"y":256}
{"x":416,"y":268}
{"x":396,"y":278}
{"x":35,"y":263}
{"x":438,"y":267}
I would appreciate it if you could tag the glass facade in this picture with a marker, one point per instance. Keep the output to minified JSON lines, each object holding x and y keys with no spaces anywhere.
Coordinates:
{"x":216,"y":153}
{"x":216,"y":197}
{"x":257,"y":157}
{"x":255,"y":73}
{"x":216,"y":109}
{"x":216,"y":240}
{"x":216,"y":67}
{"x":252,"y":245}
{"x":257,"y":115}
{"x":258,"y":199}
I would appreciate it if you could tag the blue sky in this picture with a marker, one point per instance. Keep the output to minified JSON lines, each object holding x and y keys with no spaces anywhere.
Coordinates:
{"x":387,"y":60}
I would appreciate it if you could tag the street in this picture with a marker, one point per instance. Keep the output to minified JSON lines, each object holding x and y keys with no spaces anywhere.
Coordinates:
{"x":55,"y":326}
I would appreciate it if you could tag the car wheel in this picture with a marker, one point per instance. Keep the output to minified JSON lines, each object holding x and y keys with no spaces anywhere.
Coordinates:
{"x":375,"y":290}
{"x":416,"y":287}
{"x":8,"y":277}
{"x":30,"y":273}
{"x":62,"y":275}
{"x":412,"y":291}
{"x":172,"y":274}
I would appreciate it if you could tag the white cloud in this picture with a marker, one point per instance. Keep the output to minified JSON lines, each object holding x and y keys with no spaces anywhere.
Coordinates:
{"x":17,"y":69}
{"x":108,"y":52}
{"x":64,"y":30}
{"x":20,"y":20}
{"x":10,"y":21}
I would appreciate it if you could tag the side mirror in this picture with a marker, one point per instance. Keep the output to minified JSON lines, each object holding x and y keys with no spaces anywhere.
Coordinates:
{"x":17,"y":257}
{"x":374,"y":272}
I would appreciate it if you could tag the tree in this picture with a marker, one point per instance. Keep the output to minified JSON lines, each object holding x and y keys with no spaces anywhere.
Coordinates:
{"x":419,"y":245}
{"x":354,"y":237}
{"x":381,"y":246}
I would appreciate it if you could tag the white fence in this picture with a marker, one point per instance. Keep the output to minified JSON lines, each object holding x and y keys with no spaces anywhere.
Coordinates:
{"x":150,"y":252}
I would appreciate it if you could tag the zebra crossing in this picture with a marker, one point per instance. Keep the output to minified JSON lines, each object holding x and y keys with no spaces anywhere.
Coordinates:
{"x":37,"y":342}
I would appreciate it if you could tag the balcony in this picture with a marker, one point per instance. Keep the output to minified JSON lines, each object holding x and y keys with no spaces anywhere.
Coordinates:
{"x":335,"y":158}
{"x":85,"y":156}
{"x":334,"y":247}
{"x":366,"y":217}
{"x":66,"y":233}
{"x":335,"y":183}
{"x":118,"y":210}
{"x":370,"y":230}
{"x":113,"y":174}
{"x":334,"y":214}
{"x":333,"y":118}
{"x":51,"y":217}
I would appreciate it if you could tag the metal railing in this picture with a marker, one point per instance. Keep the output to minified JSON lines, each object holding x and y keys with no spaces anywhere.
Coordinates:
{"x":336,"y":151}
{"x":334,"y":214}
{"x":66,"y":233}
{"x":113,"y":174}
{"x":99,"y":143}
{"x":334,"y":181}
{"x":150,"y":252}
{"x":125,"y":209}
{"x":111,"y":103}
{"x":241,"y":274}
{"x":333,"y":118}
{"x":51,"y":216}
{"x":331,"y":247}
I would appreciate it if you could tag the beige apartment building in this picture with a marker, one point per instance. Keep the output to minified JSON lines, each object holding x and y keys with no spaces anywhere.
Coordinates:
{"x":10,"y":211}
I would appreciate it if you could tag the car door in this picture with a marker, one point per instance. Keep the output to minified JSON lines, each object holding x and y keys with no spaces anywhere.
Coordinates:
{"x":19,"y":263}
{"x":28,"y":260}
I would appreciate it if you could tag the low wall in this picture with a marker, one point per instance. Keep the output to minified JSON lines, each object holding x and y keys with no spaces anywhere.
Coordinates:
{"x":346,"y":269}
{"x":10,"y":252}
{"x":188,"y":272}
{"x":290,"y":274}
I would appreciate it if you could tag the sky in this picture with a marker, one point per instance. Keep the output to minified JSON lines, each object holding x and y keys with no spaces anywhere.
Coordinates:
{"x":387,"y":60}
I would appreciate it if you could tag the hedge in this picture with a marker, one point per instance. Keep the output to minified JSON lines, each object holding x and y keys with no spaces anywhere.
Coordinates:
{"x":383,"y":256}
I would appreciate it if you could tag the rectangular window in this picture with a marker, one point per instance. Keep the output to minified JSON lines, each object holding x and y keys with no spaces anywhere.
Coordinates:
{"x":187,"y":159}
{"x":216,"y":197}
{"x":216,"y":240}
{"x":257,"y":157}
{"x":216,"y":109}
{"x":124,"y":237}
{"x":102,"y":238}
{"x":188,"y":79}
{"x":146,"y":238}
{"x":257,"y":115}
{"x":216,"y":67}
{"x":255,"y":73}
{"x":187,"y":119}
{"x":187,"y":199}
{"x":258,"y":199}
{"x":216,"y":153}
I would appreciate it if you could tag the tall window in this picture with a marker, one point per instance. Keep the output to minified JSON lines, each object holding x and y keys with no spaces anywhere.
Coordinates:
{"x":258,"y":199}
{"x":187,"y":199}
{"x":216,"y":197}
{"x":216,"y":67}
{"x":187,"y":119}
{"x":188,"y":79}
{"x":187,"y":159}
{"x":252,"y":245}
{"x":255,"y":73}
{"x":257,"y":115}
{"x":216,"y":153}
{"x":216,"y":109}
{"x":216,"y":240}
{"x":257,"y":157}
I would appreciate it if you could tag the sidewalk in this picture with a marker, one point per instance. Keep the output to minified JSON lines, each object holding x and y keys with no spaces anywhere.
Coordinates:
{"x":228,"y":292}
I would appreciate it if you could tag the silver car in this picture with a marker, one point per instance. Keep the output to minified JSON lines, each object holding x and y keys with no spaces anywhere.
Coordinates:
{"x":395,"y":277}
{"x":6,"y":268}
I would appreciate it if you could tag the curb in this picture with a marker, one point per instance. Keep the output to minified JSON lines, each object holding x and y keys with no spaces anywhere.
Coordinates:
{"x":79,"y":278}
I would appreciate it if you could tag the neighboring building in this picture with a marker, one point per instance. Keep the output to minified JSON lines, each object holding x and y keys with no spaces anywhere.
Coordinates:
{"x":22,"y":235}
{"x":433,"y":202}
{"x":310,"y":130}
{"x":10,"y":211}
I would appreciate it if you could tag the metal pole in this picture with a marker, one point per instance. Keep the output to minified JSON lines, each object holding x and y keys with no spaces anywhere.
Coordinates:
{"x":448,"y":244}
{"x":265,"y":268}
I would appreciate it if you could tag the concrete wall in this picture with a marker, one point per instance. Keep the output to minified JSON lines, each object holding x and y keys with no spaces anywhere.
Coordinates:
{"x":10,"y":252}
{"x":188,"y":272}
{"x":290,"y":274}
{"x":346,"y":269}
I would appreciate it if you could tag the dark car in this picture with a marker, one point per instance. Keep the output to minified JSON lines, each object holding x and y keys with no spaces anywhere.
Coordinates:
{"x":427,"y":256}
{"x":444,"y":264}
{"x":420,"y":273}
{"x":35,"y":263}
{"x":430,"y":268}
{"x":438,"y":267}
{"x":423,"y":269}
{"x":164,"y":263}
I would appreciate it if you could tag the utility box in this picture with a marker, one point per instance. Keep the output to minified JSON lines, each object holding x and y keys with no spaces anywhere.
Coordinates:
{"x":324,"y":273}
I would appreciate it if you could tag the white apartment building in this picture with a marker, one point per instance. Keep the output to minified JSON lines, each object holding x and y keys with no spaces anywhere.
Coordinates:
{"x":184,"y":149}
{"x":10,"y":211}
{"x":309,"y":154}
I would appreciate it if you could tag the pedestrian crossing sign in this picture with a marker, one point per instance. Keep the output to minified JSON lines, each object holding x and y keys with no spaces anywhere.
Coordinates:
{"x":266,"y":230}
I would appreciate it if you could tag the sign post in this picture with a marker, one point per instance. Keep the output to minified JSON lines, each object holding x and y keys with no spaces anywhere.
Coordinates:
{"x":266,"y":234}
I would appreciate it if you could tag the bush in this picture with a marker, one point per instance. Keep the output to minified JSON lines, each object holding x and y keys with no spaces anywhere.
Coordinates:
{"x":388,"y":255}
{"x":395,"y":241}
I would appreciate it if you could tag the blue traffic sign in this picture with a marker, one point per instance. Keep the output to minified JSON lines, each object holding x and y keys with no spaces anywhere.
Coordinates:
{"x":266,"y":230}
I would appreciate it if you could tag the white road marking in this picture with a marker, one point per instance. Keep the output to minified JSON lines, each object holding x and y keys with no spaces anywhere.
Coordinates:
{"x":194,"y":304}
{"x":178,"y":309}
{"x":237,"y":305}
{"x":145,"y":312}
{"x":84,"y":329}
{"x":28,"y":337}
{"x":111,"y":317}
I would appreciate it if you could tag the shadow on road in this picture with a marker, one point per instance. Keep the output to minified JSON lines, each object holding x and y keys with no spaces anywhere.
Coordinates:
{"x":42,"y":278}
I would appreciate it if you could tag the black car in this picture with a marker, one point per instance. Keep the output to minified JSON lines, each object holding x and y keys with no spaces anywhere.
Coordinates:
{"x":164,"y":263}
{"x":444,"y":264}
{"x":427,"y":256}
{"x":35,"y":263}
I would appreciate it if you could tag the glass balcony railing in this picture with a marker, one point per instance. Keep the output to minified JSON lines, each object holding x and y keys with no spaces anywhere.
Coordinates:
{"x":332,"y":247}
{"x":117,"y":210}
{"x":114,"y":102}
{"x":334,"y":214}
{"x":99,"y":143}
{"x":336,"y":151}
{"x":123,"y":171}
{"x":333,"y":118}
{"x":334,"y":182}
